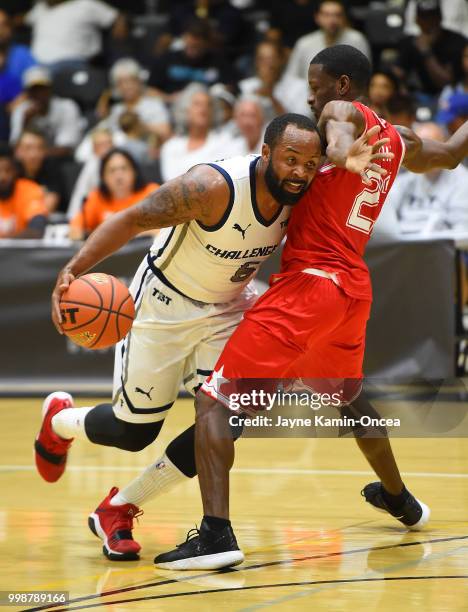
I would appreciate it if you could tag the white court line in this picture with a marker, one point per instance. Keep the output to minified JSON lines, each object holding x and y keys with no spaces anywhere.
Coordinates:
{"x":254,"y":471}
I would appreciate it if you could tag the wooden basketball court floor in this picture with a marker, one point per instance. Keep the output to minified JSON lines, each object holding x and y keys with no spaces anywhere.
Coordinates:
{"x":309,"y":538}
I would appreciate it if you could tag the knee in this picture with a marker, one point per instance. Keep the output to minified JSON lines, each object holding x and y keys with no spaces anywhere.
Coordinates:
{"x":209,"y":412}
{"x":204,"y":405}
{"x":138,"y":437}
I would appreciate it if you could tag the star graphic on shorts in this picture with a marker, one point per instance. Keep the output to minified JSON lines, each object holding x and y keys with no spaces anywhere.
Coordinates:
{"x":217,"y":378}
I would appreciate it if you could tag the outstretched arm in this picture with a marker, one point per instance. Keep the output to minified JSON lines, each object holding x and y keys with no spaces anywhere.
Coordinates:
{"x":201,"y":194}
{"x":423,"y":155}
{"x":343,"y":129}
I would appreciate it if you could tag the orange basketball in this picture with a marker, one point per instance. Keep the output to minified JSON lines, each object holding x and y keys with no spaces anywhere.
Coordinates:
{"x":97,"y":311}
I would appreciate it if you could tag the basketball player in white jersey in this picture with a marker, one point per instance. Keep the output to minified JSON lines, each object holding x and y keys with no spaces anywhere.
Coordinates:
{"x":222,"y":221}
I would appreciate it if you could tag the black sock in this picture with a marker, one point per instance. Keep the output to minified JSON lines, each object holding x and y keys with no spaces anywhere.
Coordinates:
{"x":395,"y":501}
{"x":215,"y":523}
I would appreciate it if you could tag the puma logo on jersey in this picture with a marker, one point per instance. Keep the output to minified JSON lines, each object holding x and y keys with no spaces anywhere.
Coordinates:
{"x":143,"y":392}
{"x":237,"y":227}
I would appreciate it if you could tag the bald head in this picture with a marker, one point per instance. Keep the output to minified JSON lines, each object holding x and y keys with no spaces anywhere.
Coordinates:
{"x":430,"y":131}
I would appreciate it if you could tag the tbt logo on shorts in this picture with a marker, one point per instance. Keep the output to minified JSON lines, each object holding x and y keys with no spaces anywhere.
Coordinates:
{"x":162,"y":297}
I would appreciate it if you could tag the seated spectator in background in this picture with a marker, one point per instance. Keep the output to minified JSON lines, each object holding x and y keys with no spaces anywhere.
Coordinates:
{"x":290,"y":19}
{"x":88,"y":179}
{"x":23,"y":213}
{"x":250,"y":120}
{"x":383,"y":86}
{"x":136,"y":139}
{"x":433,"y":59}
{"x":196,"y":62}
{"x":126,"y":78}
{"x":436,"y":201}
{"x":121,"y":186}
{"x":196,"y":142}
{"x":31,"y":152}
{"x":286,"y":92}
{"x":454,"y":17}
{"x":226,"y":20}
{"x":333,"y":30}
{"x":401,"y":110}
{"x":69,"y":32}
{"x":18,"y":58}
{"x":58,"y":118}
{"x":225,"y":101}
{"x":461,"y":86}
{"x":454,"y":112}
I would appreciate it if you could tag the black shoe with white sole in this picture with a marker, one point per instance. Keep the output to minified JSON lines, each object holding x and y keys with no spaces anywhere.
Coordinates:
{"x":204,"y":549}
{"x":413,"y":513}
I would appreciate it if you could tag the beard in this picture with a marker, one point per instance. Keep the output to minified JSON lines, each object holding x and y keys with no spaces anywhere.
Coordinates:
{"x":277,"y":190}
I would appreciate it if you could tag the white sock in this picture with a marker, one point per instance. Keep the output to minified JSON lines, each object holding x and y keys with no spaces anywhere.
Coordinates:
{"x":69,"y":423}
{"x":157,"y":479}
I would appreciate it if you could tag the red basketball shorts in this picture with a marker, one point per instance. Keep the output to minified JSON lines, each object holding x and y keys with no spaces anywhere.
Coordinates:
{"x":304,"y":327}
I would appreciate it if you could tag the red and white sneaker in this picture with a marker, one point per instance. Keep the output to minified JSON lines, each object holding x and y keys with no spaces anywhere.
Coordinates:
{"x":114,"y":524}
{"x":50,"y":449}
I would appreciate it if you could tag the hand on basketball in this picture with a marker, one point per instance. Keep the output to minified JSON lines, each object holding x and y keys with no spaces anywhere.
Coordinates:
{"x":362,"y":155}
{"x":65,"y":278}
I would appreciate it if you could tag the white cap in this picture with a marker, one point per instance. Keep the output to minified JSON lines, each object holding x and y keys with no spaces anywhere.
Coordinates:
{"x":36,"y":75}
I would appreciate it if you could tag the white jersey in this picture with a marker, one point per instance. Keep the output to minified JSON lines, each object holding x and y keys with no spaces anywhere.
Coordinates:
{"x":214,"y":264}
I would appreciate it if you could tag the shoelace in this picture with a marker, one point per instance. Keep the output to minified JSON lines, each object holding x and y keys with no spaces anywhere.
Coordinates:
{"x":124,"y":523}
{"x":192,"y":533}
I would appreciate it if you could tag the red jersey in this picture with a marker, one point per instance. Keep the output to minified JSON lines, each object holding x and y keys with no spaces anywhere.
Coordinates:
{"x":331,"y":225}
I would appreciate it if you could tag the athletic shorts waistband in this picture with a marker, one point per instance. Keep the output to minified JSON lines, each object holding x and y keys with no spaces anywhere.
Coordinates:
{"x":316,"y":272}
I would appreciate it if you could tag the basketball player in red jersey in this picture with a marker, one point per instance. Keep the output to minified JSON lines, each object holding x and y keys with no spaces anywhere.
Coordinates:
{"x":311,"y":323}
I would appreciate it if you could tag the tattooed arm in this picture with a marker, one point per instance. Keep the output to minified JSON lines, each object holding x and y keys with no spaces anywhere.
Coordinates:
{"x":201,"y":193}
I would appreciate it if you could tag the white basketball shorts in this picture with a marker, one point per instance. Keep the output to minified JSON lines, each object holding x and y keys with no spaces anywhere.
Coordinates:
{"x":174,"y":341}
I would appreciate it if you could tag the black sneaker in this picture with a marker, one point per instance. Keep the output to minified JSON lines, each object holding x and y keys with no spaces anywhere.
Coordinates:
{"x":204,"y":549}
{"x":413,"y":513}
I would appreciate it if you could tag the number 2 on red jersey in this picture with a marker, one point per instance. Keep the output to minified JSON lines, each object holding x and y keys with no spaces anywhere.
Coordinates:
{"x":369,"y":196}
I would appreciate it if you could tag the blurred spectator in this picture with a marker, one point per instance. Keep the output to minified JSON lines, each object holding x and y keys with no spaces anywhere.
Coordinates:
{"x":226,"y":101}
{"x":454,"y":17}
{"x":126,"y":78}
{"x":18,"y":57}
{"x":196,"y":62}
{"x":121,"y":186}
{"x":383,"y":86}
{"x":68,"y":32}
{"x":433,"y":58}
{"x":290,"y":20}
{"x":454,"y":112}
{"x":250,"y":120}
{"x":333,"y":30}
{"x":285,"y":92}
{"x":88,"y":179}
{"x":23,"y":213}
{"x":225,"y":19}
{"x":196,"y":142}
{"x":31,"y":152}
{"x":58,"y":118}
{"x":401,"y":110}
{"x":461,"y":86}
{"x":432,"y":202}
